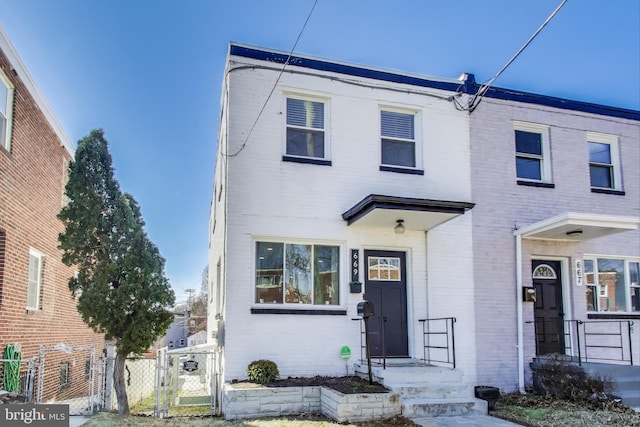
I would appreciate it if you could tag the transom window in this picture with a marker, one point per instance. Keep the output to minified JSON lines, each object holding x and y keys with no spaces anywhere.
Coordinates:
{"x":384,"y":268}
{"x":612,"y":284}
{"x":543,"y":271}
{"x":532,"y":148}
{"x":295,"y":273}
{"x":603,"y":161}
{"x":305,"y":128}
{"x":6,"y":103}
{"x":398,"y":136}
{"x":34,"y":280}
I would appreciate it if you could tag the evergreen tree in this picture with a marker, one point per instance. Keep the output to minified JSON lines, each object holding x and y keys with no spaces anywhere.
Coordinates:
{"x":120,"y":279}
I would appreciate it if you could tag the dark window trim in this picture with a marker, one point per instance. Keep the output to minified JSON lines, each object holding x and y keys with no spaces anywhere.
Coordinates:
{"x":307,"y":160}
{"x":336,"y":312}
{"x":608,"y":191}
{"x":402,"y":170}
{"x":536,"y":184}
{"x":610,"y":316}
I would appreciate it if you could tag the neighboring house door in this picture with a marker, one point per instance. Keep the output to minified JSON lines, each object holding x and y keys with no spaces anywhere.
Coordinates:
{"x":386,"y":288}
{"x":548,"y":311}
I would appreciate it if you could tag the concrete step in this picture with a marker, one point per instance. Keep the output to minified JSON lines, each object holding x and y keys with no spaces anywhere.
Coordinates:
{"x":432,"y":391}
{"x":420,"y":407}
{"x":411,"y":374}
{"x":624,"y":384}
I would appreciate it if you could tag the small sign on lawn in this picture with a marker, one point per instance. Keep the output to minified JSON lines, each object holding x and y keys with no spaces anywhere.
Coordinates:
{"x":345,"y":352}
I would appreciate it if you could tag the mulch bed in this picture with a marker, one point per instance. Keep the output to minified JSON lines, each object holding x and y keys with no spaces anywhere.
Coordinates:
{"x":346,"y":384}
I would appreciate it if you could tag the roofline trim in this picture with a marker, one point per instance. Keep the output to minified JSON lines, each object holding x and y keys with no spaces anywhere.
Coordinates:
{"x":465,"y":84}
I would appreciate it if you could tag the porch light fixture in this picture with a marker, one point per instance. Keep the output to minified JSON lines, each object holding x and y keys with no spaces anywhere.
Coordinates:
{"x":573,"y":233}
{"x":399,"y":228}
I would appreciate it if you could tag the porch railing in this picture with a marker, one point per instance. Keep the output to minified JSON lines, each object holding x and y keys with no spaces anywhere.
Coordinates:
{"x":438,"y":339}
{"x":590,"y":340}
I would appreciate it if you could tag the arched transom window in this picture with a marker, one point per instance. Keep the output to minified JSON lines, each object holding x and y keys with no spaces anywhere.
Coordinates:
{"x":543,"y":271}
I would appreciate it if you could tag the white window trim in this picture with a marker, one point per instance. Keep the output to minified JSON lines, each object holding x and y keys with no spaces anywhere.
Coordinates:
{"x":10,"y":96}
{"x":627,"y":283}
{"x":417,"y":129}
{"x":313,"y":98}
{"x":545,"y":158}
{"x":342,"y":289}
{"x":613,"y":141}
{"x":38,"y":289}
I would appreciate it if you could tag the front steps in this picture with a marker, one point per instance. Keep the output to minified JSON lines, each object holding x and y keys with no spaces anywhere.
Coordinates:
{"x":426,"y":390}
{"x":625,"y":377}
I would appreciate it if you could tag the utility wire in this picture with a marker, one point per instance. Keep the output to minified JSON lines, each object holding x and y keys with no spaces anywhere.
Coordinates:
{"x":473,"y":104}
{"x":255,"y":123}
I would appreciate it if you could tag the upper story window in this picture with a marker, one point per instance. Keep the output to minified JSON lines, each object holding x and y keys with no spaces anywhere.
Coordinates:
{"x":399,"y":146}
{"x":604,"y":169}
{"x":34,"y":282}
{"x":6,"y":104}
{"x":306,"y":130}
{"x":532,"y":152}
{"x":297,"y":273}
{"x":612,"y":284}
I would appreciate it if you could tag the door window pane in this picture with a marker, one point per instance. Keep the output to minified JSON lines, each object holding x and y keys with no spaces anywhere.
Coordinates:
{"x":384,"y":268}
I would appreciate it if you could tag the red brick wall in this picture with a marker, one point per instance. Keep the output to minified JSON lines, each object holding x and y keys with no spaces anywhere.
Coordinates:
{"x":31,"y":195}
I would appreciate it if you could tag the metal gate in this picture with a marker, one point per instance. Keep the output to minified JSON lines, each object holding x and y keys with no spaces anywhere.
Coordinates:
{"x":71,"y":376}
{"x":185,"y":382}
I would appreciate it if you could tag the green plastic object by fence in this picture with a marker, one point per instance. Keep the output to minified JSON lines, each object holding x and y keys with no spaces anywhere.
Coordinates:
{"x":11,"y":377}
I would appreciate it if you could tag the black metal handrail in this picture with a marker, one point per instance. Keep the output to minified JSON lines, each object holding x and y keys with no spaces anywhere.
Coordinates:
{"x":438,"y":339}
{"x":578,"y":338}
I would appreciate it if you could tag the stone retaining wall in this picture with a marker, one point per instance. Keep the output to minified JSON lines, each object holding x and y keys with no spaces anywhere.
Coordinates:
{"x":253,"y":401}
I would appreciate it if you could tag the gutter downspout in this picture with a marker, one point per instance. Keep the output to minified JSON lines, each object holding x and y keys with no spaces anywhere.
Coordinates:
{"x":519,"y":312}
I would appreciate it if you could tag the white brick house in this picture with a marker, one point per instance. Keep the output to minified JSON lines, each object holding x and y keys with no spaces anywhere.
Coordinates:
{"x":324,"y":162}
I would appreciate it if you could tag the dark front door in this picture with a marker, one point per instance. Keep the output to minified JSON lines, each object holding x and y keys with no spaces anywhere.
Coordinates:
{"x":386,"y":287}
{"x":548,"y":312}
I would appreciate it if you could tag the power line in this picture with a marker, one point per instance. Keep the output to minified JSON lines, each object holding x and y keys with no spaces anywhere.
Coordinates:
{"x":244,"y":144}
{"x":485,"y":87}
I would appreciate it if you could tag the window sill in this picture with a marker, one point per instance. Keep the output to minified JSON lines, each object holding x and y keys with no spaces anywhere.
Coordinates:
{"x":307,"y":160}
{"x":536,"y":184}
{"x":314,"y":312}
{"x":621,"y":315}
{"x":608,"y":191}
{"x":402,"y":170}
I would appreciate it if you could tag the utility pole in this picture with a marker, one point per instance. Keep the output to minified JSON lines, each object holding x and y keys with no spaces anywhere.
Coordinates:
{"x":190,"y":298}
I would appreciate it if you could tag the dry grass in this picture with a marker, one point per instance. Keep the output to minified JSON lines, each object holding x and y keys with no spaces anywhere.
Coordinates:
{"x":544,"y":411}
{"x":106,"y":419}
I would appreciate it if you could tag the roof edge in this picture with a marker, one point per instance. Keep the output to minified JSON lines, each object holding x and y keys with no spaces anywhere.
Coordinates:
{"x":464,"y":84}
{"x":20,"y":68}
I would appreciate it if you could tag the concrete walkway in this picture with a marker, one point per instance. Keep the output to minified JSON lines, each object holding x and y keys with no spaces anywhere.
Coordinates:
{"x":77,"y":420}
{"x":463,"y":420}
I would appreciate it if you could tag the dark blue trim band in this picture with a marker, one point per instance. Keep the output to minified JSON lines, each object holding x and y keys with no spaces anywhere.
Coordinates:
{"x":402,"y":170}
{"x":296,"y":311}
{"x":307,"y":160}
{"x":468,"y":86}
{"x":607,"y":191}
{"x":536,"y":184}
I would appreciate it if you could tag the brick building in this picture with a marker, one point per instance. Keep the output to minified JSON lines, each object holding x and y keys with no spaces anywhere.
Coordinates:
{"x":36,"y":306}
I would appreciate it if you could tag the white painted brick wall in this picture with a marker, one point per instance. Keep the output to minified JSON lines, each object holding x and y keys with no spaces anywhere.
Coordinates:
{"x":269,"y":198}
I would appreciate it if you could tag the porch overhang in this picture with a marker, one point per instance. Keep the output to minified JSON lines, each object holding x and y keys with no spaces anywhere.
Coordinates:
{"x":417,"y":214}
{"x":576,"y":227}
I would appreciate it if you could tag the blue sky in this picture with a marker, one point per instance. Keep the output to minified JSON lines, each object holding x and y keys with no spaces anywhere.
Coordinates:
{"x":149,"y":73}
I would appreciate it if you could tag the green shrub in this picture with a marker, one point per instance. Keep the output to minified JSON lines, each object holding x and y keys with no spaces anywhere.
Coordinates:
{"x":262,"y":371}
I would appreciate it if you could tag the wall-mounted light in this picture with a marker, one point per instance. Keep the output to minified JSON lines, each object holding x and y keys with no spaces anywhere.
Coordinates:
{"x":399,"y":228}
{"x":574,"y":233}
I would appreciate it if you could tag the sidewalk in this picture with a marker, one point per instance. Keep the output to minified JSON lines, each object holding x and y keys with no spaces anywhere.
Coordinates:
{"x":464,"y":420}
